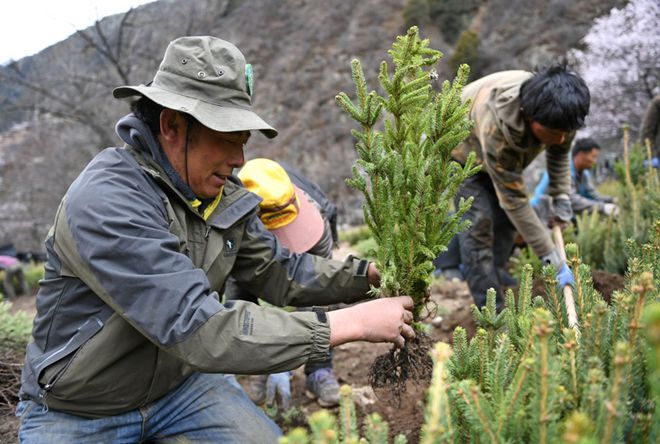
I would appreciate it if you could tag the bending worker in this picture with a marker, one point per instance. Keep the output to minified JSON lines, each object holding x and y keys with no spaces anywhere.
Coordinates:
{"x":516,"y":114}
{"x":584,"y":196}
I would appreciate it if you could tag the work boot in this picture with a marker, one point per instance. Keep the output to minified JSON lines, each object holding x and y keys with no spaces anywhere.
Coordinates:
{"x":256,"y":388}
{"x":322,"y":385}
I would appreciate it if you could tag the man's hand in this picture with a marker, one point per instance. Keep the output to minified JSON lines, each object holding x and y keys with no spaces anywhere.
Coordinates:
{"x":278,"y":388}
{"x":380,"y":320}
{"x":610,"y":209}
{"x":373,"y":275}
{"x":553,"y":258}
{"x":565,"y":277}
{"x":564,"y":273}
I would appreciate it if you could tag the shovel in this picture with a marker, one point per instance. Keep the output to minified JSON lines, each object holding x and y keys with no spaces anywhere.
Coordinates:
{"x":568,"y":291}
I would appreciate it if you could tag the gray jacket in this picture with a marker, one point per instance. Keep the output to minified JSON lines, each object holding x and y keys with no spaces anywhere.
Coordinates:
{"x":129,"y":305}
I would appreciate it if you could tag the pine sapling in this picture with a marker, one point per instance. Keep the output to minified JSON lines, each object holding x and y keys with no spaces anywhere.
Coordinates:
{"x":375,"y":429}
{"x":347,"y":415}
{"x":569,"y":357}
{"x":612,"y":414}
{"x":651,"y":319}
{"x":409,"y":181}
{"x":544,"y":400}
{"x":324,"y":428}
{"x":438,"y":426}
{"x":579,"y":429}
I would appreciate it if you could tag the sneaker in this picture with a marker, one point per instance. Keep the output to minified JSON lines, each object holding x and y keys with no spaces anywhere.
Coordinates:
{"x":256,"y":388}
{"x":322,"y":385}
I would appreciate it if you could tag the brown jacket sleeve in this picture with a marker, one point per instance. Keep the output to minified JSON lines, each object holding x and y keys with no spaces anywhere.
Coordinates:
{"x":504,"y":165}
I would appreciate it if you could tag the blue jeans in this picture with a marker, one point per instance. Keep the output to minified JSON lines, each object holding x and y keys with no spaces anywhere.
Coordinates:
{"x":206,"y":408}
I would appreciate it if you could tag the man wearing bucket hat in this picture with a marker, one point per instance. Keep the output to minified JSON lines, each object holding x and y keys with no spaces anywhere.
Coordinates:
{"x":130,"y":341}
{"x":300,"y":216}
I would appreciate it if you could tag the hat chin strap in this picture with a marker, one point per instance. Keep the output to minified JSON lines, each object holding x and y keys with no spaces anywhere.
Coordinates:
{"x":185,"y":151}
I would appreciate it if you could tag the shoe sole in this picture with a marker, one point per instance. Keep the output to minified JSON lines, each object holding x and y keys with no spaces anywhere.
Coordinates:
{"x":322,"y":403}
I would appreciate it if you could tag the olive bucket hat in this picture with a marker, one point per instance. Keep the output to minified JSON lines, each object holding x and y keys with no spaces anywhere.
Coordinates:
{"x":207,"y":78}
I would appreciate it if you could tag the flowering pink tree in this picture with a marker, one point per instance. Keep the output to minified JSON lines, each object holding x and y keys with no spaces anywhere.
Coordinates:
{"x":621,"y":64}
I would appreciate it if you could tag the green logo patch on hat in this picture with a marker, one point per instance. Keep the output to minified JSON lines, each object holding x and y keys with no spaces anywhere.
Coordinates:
{"x":249,"y":79}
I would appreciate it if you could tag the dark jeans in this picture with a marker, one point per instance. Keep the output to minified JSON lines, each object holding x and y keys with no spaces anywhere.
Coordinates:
{"x":486,"y":245}
{"x":450,"y":258}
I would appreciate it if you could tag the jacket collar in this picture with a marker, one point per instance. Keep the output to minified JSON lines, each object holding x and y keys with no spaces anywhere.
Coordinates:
{"x":236,"y":201}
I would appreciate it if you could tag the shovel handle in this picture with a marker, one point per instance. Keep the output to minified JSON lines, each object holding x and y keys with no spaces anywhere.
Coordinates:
{"x":568,"y":291}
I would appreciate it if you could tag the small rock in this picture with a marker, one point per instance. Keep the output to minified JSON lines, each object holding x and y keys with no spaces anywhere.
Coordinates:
{"x":364,"y":396}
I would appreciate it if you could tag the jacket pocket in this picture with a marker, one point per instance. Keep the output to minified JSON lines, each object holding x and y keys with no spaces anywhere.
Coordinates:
{"x":110,"y":374}
{"x":49,"y":367}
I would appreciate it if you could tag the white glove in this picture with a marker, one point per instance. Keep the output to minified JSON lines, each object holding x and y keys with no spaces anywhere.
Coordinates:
{"x":278,"y":385}
{"x":610,"y":209}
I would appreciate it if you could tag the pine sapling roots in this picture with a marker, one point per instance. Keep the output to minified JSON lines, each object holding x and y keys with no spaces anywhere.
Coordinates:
{"x":394,"y":369}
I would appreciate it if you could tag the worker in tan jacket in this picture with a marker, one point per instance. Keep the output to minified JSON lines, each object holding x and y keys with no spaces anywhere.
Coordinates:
{"x":517,"y":115}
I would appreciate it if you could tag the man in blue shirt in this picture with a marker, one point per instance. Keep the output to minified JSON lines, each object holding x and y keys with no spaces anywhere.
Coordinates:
{"x":583,"y":195}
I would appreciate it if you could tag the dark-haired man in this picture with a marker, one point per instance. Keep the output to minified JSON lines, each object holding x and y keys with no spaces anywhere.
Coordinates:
{"x":584,"y":196}
{"x":130,"y":339}
{"x":516,"y":114}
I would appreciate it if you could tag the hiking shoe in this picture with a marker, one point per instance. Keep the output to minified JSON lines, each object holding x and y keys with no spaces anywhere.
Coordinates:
{"x":256,"y":388}
{"x":322,"y":385}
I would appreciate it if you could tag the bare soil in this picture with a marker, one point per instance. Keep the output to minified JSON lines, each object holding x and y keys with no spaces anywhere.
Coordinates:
{"x":352,"y":363}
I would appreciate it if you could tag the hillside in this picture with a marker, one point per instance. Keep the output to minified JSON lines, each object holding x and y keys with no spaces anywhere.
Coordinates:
{"x":58,"y":112}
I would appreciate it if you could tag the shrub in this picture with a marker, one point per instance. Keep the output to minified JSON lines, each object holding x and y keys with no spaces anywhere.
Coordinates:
{"x":355,"y":234}
{"x":452,"y":16}
{"x":33,"y":274}
{"x":15,"y":329}
{"x":466,"y":51}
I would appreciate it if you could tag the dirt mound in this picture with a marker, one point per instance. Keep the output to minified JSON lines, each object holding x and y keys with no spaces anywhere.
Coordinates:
{"x":604,"y":283}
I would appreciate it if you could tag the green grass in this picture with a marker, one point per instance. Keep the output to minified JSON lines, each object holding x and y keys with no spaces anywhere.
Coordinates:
{"x":354,"y":235}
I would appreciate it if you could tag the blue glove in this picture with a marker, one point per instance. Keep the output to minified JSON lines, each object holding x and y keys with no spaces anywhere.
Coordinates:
{"x":655,"y":162}
{"x":278,"y":386}
{"x":565,"y":277}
